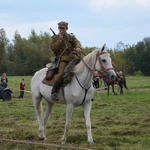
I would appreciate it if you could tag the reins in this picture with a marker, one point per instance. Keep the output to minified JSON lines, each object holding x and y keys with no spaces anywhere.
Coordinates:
{"x":99,"y":60}
{"x":92,"y":71}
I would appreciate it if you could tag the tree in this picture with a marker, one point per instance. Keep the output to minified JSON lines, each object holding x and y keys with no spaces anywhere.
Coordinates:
{"x":3,"y":43}
{"x":25,"y":56}
{"x":142,"y":56}
{"x":129,"y":59}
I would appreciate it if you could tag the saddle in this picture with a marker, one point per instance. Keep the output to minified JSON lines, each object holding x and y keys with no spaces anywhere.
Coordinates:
{"x":49,"y":79}
{"x":48,"y":82}
{"x":52,"y":70}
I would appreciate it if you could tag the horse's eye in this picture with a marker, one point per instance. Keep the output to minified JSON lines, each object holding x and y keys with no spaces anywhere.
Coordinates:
{"x":103,"y":60}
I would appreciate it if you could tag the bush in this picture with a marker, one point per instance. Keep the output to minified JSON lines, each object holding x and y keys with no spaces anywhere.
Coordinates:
{"x":138,"y":73}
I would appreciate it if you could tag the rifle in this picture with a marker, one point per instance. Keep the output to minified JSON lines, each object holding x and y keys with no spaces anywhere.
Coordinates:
{"x":52,"y":31}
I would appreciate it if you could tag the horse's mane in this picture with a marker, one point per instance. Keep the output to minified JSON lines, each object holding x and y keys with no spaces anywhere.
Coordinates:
{"x":88,"y":58}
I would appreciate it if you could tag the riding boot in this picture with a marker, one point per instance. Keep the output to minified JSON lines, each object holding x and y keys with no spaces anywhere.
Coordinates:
{"x":54,"y":91}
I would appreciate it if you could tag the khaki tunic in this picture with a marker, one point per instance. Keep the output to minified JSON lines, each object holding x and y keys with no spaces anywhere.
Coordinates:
{"x":68,"y":42}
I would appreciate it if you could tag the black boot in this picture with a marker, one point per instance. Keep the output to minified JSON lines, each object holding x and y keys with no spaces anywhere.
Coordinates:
{"x":54,"y":91}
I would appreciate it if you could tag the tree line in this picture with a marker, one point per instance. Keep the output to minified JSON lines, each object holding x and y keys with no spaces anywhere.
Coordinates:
{"x":23,"y":57}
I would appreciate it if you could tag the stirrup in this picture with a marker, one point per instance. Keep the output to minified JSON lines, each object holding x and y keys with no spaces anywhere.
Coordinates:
{"x":54,"y":97}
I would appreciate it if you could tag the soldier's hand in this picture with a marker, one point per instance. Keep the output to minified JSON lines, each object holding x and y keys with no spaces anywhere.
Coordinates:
{"x":78,"y":49}
{"x":61,"y":35}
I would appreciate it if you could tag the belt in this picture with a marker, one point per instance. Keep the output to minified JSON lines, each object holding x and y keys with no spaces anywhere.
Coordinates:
{"x":60,"y":51}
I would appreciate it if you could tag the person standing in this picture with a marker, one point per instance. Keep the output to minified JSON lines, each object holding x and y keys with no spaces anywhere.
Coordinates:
{"x":96,"y":80}
{"x":63,"y":44}
{"x":4,"y":80}
{"x":22,"y":88}
{"x":114,"y":66}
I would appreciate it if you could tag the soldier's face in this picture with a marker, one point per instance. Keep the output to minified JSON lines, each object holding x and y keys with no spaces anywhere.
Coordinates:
{"x":62,"y":29}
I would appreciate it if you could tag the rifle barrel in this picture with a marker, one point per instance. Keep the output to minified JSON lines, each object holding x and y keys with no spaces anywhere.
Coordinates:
{"x":52,"y":31}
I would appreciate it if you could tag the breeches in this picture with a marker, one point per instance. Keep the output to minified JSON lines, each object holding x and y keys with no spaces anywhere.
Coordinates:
{"x":62,"y":65}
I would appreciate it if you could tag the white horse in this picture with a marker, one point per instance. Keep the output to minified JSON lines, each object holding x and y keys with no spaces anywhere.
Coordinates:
{"x":76,"y":93}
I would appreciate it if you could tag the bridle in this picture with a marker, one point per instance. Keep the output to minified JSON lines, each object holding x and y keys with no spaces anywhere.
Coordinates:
{"x":103,"y":70}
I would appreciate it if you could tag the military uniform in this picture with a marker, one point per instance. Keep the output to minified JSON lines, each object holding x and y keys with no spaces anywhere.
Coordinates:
{"x":63,"y":47}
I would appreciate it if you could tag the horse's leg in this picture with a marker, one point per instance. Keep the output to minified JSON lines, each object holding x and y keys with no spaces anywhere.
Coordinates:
{"x":69,"y":111}
{"x":87,"y":111}
{"x":124,"y":83}
{"x":113,"y":89}
{"x":49,"y":108}
{"x":107,"y":89}
{"x":39,"y":113}
{"x":121,"y":88}
{"x":118,"y":88}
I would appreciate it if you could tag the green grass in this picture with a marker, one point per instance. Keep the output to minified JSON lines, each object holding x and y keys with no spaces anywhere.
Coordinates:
{"x":119,"y":122}
{"x":138,"y":82}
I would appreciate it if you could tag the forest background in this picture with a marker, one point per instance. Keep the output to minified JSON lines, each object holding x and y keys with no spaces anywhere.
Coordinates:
{"x":23,"y":57}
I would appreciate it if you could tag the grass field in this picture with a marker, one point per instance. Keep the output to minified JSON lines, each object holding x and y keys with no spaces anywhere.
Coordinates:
{"x":119,"y":122}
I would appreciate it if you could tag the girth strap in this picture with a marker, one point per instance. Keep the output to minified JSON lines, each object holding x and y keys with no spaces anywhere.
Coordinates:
{"x":86,"y":90}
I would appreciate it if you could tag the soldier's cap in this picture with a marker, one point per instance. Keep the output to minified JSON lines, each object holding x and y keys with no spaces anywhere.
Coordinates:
{"x":63,"y":24}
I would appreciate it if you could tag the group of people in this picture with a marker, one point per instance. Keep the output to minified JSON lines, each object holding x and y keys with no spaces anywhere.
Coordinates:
{"x":4,"y":83}
{"x":63,"y":45}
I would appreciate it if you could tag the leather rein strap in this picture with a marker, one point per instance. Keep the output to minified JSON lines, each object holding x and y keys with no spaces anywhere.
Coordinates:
{"x":101,"y":63}
{"x":99,"y":60}
{"x":92,"y":71}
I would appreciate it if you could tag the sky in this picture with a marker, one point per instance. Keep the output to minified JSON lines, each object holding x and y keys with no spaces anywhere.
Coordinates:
{"x":93,"y":22}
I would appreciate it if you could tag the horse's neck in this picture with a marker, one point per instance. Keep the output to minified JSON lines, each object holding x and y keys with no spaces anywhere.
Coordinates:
{"x":85,"y":77}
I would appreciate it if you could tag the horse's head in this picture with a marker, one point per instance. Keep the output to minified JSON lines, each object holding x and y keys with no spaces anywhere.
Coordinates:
{"x":103,"y":62}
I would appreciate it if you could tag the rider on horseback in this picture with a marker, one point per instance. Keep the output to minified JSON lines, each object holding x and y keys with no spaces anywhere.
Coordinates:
{"x":63,"y":44}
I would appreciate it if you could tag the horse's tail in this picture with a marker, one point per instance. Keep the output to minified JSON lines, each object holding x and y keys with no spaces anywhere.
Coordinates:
{"x":124,"y":83}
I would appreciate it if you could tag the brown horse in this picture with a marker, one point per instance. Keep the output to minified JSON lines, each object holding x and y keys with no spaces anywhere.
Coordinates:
{"x":120,"y":81}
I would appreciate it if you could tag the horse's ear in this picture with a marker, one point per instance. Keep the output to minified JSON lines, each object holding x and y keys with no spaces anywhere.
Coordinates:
{"x":103,"y":47}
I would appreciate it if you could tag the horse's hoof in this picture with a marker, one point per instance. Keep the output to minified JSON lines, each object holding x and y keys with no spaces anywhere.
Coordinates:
{"x":41,"y":137}
{"x":63,"y":142}
{"x":91,"y":142}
